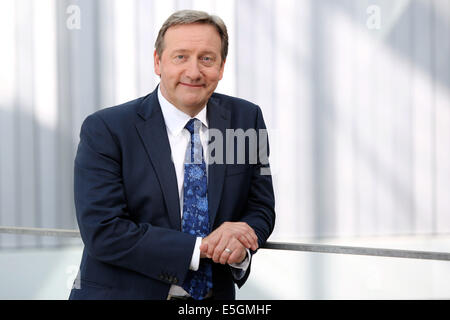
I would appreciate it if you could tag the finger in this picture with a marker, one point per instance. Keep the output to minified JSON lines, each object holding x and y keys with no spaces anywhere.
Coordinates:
{"x":221,"y":246}
{"x":254,"y":238}
{"x":242,"y":232}
{"x":237,"y":256}
{"x":205,"y":245}
{"x":255,"y":244}
{"x":248,"y":231}
{"x":225,"y":233}
{"x":203,"y":248}
{"x":225,"y":255}
{"x":239,"y":231}
{"x":237,"y":251}
{"x":233,"y":245}
{"x":212,"y":243}
{"x":247,"y":240}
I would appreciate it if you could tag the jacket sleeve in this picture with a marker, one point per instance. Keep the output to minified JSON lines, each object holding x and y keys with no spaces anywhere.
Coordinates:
{"x":260,"y":210}
{"x":106,"y":226}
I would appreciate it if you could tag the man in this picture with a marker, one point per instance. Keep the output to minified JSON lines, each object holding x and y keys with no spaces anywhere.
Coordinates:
{"x":156,"y":220}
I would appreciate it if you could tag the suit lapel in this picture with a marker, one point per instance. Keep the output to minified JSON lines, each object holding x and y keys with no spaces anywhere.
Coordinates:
{"x":153,"y":134}
{"x":218,"y":118}
{"x":156,"y":142}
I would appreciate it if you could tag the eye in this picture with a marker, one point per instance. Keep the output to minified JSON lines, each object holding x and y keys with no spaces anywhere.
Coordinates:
{"x":179,"y":58}
{"x":207,"y":60}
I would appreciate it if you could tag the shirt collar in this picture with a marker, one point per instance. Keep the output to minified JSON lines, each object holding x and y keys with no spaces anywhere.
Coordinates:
{"x":176,"y":119}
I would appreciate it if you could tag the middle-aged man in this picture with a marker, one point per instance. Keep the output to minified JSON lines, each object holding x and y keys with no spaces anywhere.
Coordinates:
{"x":158,"y":218}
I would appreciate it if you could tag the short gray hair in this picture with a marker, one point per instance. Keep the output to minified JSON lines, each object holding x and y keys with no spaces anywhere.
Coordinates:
{"x":184,"y":17}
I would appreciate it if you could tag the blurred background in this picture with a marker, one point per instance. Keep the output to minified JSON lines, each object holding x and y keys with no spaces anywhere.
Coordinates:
{"x":356,"y":97}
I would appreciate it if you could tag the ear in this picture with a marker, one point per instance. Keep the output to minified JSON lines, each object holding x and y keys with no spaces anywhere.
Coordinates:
{"x":222,"y":68}
{"x":157,"y":63}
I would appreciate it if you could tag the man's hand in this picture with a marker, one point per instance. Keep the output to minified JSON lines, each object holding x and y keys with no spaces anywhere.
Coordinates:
{"x":235,"y":236}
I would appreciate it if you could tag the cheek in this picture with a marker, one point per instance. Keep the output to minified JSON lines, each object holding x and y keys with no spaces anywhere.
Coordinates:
{"x":170,"y":74}
{"x":213,"y":75}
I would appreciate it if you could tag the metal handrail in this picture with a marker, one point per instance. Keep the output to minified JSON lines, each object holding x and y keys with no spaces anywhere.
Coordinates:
{"x":302,"y":247}
{"x":41,"y":232}
{"x":362,"y":251}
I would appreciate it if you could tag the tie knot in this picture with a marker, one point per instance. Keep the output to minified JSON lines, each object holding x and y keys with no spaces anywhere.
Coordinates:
{"x":192,"y":125}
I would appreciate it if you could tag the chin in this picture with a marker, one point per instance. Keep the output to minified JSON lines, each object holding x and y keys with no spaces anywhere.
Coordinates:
{"x":194,"y":100}
{"x":193,"y":104}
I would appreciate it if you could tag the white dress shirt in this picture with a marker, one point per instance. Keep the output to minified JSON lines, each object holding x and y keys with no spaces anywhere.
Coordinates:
{"x":179,"y":139}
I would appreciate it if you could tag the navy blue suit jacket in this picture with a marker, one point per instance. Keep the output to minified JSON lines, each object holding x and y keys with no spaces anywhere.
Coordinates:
{"x":127,"y":201}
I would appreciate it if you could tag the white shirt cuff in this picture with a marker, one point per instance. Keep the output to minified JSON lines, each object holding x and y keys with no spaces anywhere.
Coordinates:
{"x":195,"y":261}
{"x":239,"y":269}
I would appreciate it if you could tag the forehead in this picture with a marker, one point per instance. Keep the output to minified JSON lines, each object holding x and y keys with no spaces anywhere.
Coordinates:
{"x":192,"y":37}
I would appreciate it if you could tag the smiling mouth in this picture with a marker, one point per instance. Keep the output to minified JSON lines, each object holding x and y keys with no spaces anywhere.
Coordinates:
{"x":192,"y":85}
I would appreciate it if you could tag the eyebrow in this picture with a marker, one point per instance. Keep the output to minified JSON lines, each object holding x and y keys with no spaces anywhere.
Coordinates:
{"x":188,"y":51}
{"x":180,"y":51}
{"x":209,"y":52}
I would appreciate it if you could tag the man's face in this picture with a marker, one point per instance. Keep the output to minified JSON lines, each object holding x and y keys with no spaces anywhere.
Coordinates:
{"x":190,"y":66}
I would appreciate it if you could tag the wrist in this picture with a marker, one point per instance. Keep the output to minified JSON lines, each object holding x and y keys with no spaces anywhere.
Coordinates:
{"x":203,"y":249}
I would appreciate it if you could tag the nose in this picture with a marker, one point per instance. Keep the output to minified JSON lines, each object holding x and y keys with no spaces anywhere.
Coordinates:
{"x":193,"y":71}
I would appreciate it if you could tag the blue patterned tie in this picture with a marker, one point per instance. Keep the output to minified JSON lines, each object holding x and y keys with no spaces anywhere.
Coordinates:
{"x":195,"y":211}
